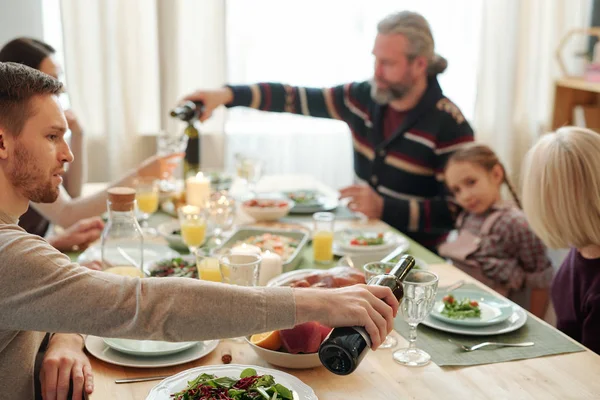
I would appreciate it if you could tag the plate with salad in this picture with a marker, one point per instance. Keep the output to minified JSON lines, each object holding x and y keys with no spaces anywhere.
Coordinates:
{"x":310,"y":201}
{"x":471,"y":308}
{"x":366,"y":241}
{"x":232,"y":382}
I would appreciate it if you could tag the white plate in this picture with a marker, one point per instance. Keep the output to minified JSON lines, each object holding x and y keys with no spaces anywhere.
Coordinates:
{"x":152,"y":252}
{"x":401,"y":244}
{"x":287,"y":277}
{"x":178,"y":382}
{"x":493,"y":309}
{"x":325,"y":204}
{"x":101,"y":351}
{"x":147,"y":348}
{"x":343,"y":239}
{"x":514,"y":322}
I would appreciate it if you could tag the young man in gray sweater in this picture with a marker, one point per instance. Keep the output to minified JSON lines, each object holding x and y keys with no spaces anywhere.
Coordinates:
{"x":41,"y":290}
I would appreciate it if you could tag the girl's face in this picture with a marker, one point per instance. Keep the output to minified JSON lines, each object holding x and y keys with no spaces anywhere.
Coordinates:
{"x":474,"y":188}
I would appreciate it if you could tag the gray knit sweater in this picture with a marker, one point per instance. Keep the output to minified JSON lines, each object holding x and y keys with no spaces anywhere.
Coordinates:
{"x":41,"y":290}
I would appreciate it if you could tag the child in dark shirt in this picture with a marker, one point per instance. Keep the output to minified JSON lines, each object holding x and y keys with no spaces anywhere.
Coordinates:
{"x":561,"y":199}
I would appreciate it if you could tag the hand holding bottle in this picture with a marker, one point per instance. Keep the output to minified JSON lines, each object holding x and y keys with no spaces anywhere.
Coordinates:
{"x":373,"y":307}
{"x":211,"y":99}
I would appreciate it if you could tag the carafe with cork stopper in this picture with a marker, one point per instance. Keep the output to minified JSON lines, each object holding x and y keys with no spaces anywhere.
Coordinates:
{"x":122,"y":238}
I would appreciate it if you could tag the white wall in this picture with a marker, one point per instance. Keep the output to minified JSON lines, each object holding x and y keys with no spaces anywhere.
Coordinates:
{"x":20,"y":18}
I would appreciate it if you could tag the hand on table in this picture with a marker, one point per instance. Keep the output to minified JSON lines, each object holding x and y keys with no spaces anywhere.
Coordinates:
{"x":364,"y":199}
{"x":65,"y":362}
{"x":78,"y":236}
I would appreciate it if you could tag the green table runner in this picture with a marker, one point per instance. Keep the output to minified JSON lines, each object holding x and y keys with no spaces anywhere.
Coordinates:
{"x":548,"y":341}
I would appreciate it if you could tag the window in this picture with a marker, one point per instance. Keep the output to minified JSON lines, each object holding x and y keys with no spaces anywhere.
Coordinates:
{"x":53,"y":35}
{"x":324,"y":43}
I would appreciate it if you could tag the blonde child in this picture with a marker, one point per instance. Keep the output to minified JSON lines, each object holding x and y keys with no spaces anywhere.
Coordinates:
{"x":495,"y":243}
{"x":561,"y":198}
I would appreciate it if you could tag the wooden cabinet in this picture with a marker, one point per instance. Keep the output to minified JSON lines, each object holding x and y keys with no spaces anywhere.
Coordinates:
{"x":570,"y":93}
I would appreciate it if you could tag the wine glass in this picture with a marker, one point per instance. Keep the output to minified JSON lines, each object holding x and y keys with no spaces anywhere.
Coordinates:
{"x":250,"y":170}
{"x":166,"y":144}
{"x":147,"y":198}
{"x":221,"y":213}
{"x":240,"y":269}
{"x":192,"y":220}
{"x":373,"y":269}
{"x":420,"y":288}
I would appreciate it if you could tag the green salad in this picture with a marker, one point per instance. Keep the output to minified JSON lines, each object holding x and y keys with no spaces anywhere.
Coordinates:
{"x":462,"y":309}
{"x":249,"y":386}
{"x":174,"y":267}
{"x":304,"y":197}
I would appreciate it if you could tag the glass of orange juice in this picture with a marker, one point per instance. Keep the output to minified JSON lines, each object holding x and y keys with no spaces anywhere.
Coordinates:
{"x":146,"y":196}
{"x":323,"y":237}
{"x":192,"y":221}
{"x":208,"y":268}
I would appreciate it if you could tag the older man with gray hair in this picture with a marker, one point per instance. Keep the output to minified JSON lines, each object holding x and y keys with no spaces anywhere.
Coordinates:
{"x":403,"y":127}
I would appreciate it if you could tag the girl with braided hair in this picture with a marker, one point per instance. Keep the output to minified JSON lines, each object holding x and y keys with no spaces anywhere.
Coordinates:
{"x":495,"y":243}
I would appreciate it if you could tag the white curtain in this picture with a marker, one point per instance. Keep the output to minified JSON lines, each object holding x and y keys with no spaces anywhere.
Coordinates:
{"x":517,"y":67}
{"x":111,"y":58}
{"x":127,"y":64}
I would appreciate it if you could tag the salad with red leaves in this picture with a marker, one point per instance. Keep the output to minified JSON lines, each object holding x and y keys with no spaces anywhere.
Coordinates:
{"x":249,"y":386}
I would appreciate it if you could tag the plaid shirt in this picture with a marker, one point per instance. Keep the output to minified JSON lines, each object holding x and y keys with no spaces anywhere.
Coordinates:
{"x":511,"y":255}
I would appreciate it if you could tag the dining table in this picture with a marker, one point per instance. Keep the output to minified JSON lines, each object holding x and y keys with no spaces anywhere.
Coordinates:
{"x":571,"y":375}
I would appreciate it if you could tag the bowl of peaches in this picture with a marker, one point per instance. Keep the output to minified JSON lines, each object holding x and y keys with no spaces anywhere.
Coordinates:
{"x":267,"y":209}
{"x":298,"y":347}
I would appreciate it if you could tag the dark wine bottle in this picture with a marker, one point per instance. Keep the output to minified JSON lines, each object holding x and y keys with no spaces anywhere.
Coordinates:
{"x":190,"y":112}
{"x":343,"y":350}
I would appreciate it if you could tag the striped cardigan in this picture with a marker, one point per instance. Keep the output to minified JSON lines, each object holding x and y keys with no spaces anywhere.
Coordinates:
{"x":405,"y":169}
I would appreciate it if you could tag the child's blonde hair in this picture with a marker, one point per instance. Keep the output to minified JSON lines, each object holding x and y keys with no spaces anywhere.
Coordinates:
{"x":485,"y":157}
{"x":561,"y":188}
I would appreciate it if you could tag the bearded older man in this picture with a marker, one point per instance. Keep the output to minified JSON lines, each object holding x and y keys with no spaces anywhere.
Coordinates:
{"x":403,"y":127}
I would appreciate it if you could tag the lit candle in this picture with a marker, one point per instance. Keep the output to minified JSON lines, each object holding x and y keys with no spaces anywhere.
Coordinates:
{"x":245,"y":248}
{"x":271,"y":266}
{"x":197,"y":190}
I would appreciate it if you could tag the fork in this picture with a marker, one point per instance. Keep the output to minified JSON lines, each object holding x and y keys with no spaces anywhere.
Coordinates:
{"x":484,"y":344}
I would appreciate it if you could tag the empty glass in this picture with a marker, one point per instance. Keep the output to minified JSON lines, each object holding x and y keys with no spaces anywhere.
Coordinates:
{"x":166,"y":144}
{"x":221,"y":214}
{"x":250,"y":170}
{"x":241,"y":270}
{"x":373,"y":269}
{"x":420,"y":288}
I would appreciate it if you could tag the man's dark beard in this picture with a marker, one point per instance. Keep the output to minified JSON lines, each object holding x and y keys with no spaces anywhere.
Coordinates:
{"x":27,"y":177}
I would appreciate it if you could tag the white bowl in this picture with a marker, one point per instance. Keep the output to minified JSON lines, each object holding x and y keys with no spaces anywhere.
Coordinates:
{"x":261,"y":213}
{"x":166,"y":231}
{"x":287,"y":360}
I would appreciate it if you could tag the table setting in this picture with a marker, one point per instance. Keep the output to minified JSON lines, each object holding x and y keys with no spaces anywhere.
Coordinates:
{"x":314,"y":249}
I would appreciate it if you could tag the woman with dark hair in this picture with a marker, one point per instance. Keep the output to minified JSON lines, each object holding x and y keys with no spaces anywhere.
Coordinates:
{"x":79,"y":216}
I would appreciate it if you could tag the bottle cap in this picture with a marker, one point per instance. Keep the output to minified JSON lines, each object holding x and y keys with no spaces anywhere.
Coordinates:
{"x":121,"y":198}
